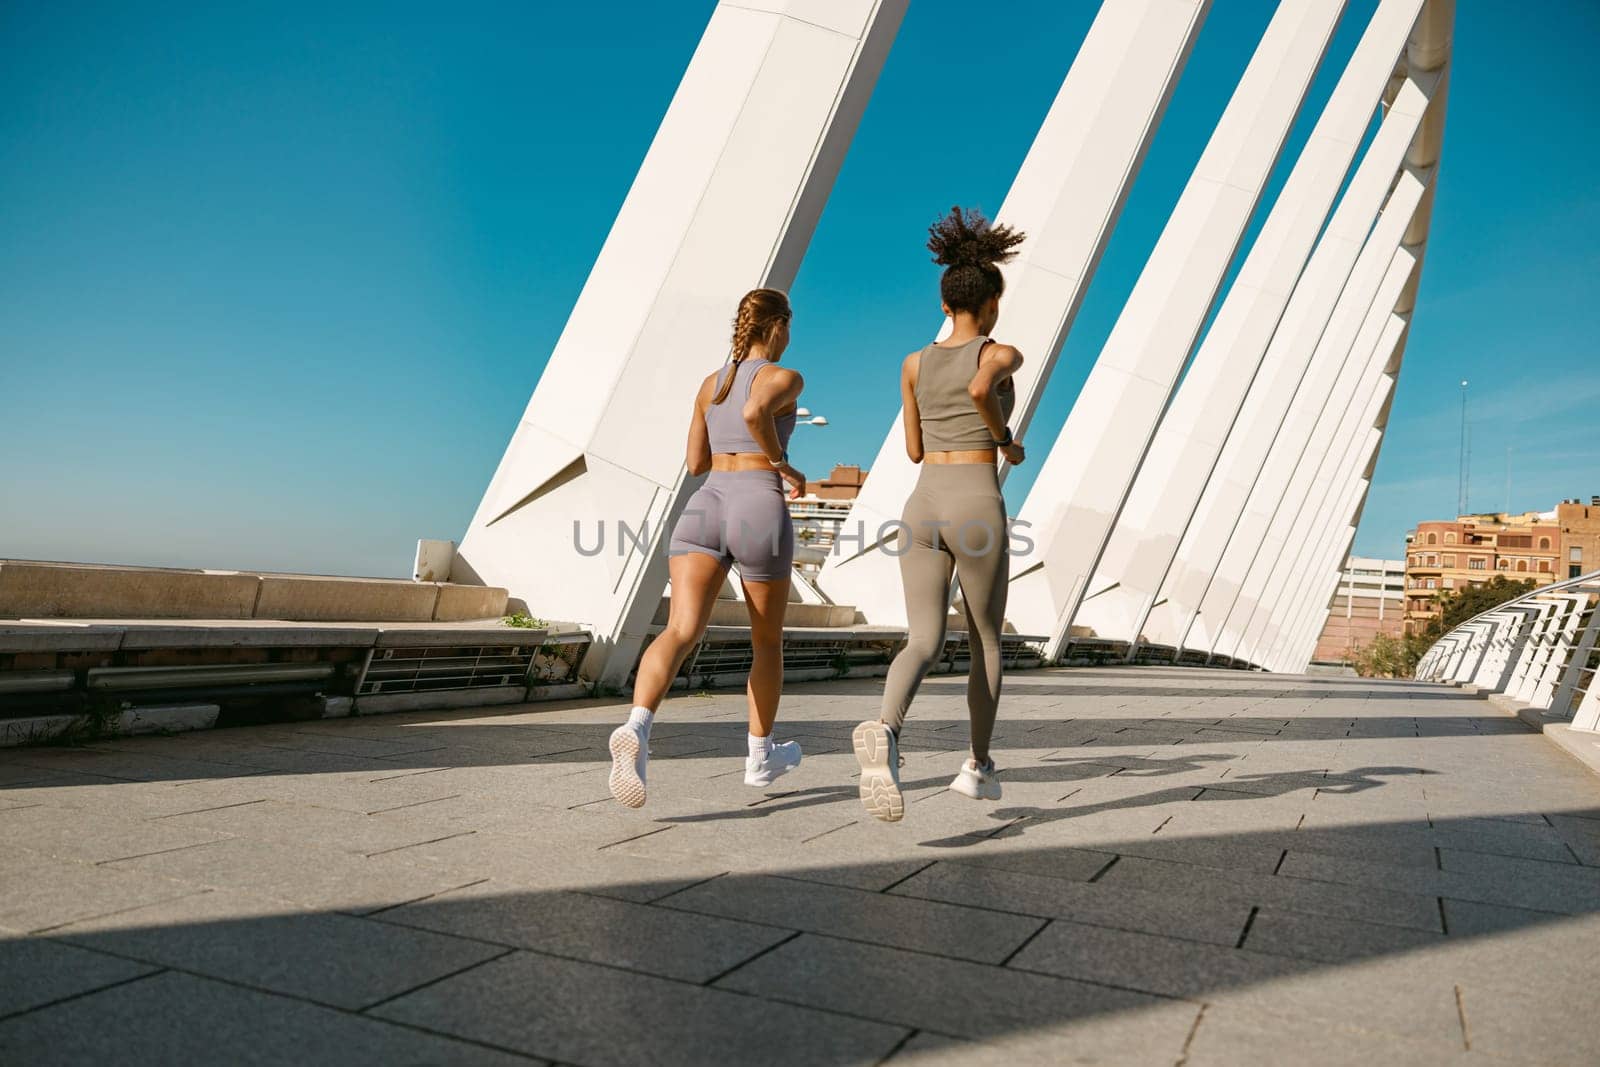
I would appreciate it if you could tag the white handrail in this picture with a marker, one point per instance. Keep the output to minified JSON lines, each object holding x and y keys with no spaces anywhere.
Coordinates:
{"x":1540,"y":648}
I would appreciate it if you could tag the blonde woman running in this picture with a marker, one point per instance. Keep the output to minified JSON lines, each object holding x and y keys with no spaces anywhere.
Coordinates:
{"x":743,"y":417}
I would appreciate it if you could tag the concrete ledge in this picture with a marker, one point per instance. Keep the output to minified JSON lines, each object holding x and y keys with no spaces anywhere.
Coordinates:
{"x":258,"y":636}
{"x":63,"y":637}
{"x":1581,"y":745}
{"x":167,"y":719}
{"x":68,"y":590}
{"x":460,"y":603}
{"x":298,"y":599}
{"x":34,"y":589}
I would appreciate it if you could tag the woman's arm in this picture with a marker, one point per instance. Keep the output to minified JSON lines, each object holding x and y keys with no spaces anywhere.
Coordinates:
{"x":698,"y":453}
{"x":996,"y":364}
{"x":908,"y":402}
{"x":774,"y":392}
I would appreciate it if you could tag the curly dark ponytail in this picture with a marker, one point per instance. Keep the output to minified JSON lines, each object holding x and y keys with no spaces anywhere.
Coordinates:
{"x":971,"y":251}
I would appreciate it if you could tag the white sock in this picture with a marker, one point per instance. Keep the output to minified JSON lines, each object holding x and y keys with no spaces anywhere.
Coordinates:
{"x":643,"y":716}
{"x":760,"y":747}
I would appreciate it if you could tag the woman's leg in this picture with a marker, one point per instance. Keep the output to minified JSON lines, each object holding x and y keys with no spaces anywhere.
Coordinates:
{"x":696,"y":580}
{"x":925,"y":570}
{"x":978,"y":539}
{"x":767,"y":602}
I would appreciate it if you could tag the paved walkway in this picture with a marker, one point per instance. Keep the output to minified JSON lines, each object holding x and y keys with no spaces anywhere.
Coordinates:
{"x":1187,"y":868}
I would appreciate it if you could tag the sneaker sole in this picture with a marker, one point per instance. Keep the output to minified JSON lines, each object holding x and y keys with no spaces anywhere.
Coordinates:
{"x":626,"y":786}
{"x":879,"y":793}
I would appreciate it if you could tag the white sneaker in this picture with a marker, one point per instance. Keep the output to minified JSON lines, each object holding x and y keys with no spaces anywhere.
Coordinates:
{"x":980,"y":782}
{"x":879,"y":755}
{"x":780,"y":761}
{"x":630,"y":755}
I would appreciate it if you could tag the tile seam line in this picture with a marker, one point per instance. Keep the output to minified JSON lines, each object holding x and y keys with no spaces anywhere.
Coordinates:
{"x":159,"y":970}
{"x":350,"y":1012}
{"x":518,"y":949}
{"x":433,"y":982}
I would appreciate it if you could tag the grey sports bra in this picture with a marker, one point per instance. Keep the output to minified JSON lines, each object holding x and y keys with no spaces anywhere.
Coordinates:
{"x":950,"y":420}
{"x":725,"y":421}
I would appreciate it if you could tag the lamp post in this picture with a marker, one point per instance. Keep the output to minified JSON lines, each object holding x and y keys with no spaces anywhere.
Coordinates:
{"x":805,"y":418}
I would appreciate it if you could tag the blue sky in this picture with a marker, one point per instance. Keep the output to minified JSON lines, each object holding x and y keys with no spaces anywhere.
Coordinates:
{"x":277,"y":280}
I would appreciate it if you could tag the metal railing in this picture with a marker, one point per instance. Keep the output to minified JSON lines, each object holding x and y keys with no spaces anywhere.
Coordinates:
{"x":1540,"y":649}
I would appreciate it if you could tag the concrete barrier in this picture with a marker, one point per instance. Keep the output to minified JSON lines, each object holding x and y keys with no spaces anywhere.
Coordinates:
{"x":68,"y":590}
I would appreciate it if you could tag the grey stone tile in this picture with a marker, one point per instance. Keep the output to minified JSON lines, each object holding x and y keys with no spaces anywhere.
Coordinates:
{"x":1410,"y":995}
{"x":1466,"y":918}
{"x":288,"y":822}
{"x":35,"y":971}
{"x":177,"y":1018}
{"x":1173,"y":914}
{"x":1581,"y":883}
{"x":1227,"y":1037}
{"x":313,"y":877}
{"x":1139,"y":1038}
{"x":1146,"y":962}
{"x":1486,"y":883}
{"x":1527,"y":1026}
{"x":582,"y":1013}
{"x":124,"y":799}
{"x":38,"y":892}
{"x":1317,"y":937}
{"x":1311,"y":897}
{"x":879,"y":918}
{"x":1581,"y":835}
{"x":65,"y":833}
{"x":927,"y":992}
{"x":531,"y":863}
{"x":674,"y":944}
{"x":1062,"y":863}
{"x":338,"y":960}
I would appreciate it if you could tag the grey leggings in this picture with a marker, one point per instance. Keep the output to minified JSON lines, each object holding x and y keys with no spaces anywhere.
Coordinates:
{"x":957,"y":522}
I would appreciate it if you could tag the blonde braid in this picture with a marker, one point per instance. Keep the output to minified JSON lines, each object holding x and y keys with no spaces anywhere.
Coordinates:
{"x":759,"y":312}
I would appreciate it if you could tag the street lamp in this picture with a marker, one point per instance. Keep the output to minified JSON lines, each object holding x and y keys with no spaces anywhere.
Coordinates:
{"x":805,"y":418}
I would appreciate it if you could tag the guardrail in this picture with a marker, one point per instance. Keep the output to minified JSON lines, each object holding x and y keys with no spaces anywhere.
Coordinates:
{"x":1540,"y":649}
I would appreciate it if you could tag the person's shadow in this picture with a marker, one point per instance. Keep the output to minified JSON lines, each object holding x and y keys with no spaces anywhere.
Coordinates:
{"x":1015,"y":821}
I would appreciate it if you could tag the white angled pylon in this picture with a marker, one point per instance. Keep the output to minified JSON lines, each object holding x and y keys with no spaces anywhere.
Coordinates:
{"x":1066,"y":197}
{"x":725,"y":200}
{"x":1327,"y":420}
{"x":1084,"y":478}
{"x":1184,"y":453}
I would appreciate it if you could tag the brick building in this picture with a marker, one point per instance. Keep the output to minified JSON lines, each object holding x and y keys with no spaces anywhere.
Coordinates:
{"x":1471,"y":549}
{"x":1580,"y":536}
{"x":1370,"y":600}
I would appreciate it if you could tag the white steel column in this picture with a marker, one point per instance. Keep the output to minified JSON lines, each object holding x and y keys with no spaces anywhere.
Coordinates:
{"x":1084,"y":479}
{"x":726,"y":199}
{"x":1230,"y":536}
{"x":1323,"y":528}
{"x":1324,"y":424}
{"x":1295,"y":645}
{"x":1199,"y":586}
{"x":1347,"y":411}
{"x":1283,"y":477}
{"x":1185,"y":449}
{"x":1066,"y":198}
{"x":1346,"y":502}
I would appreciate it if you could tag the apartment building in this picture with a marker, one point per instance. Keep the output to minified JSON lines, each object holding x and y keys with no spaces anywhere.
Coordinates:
{"x":1370,"y":600}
